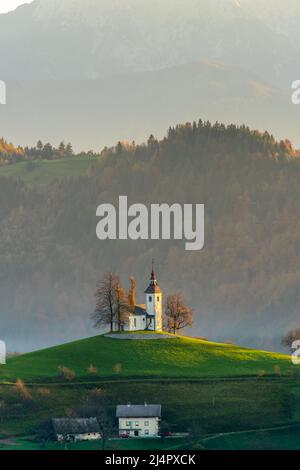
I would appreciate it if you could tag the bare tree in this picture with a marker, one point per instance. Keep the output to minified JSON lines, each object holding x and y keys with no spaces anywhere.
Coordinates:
{"x":44,"y":432}
{"x":97,"y":404}
{"x":106,"y":299}
{"x":178,"y":315}
{"x":112,"y":306}
{"x":290,"y":337}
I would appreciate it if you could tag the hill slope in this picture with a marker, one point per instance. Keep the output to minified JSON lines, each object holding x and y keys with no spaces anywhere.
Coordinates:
{"x":130,"y":107}
{"x":244,"y":284}
{"x":164,"y":358}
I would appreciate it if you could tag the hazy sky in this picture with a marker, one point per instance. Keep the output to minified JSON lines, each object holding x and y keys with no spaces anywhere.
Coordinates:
{"x":7,"y":5}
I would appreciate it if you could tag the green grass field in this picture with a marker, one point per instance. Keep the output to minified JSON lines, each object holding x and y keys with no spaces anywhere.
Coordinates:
{"x":28,"y":443}
{"x":212,"y":407}
{"x":169,"y":358}
{"x":282,"y":439}
{"x":215,"y":388}
{"x":45,"y":171}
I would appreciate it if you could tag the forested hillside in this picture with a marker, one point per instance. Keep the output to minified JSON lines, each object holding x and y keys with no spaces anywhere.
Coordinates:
{"x":244,"y":286}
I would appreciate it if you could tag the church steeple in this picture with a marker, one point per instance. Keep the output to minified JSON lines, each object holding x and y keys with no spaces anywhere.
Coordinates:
{"x":154,"y":302}
{"x":153,"y":286}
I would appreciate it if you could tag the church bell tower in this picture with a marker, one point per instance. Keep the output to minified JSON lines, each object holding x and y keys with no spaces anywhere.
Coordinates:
{"x":154,"y":303}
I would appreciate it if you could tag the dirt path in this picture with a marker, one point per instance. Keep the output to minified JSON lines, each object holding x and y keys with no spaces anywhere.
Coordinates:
{"x":249,"y":431}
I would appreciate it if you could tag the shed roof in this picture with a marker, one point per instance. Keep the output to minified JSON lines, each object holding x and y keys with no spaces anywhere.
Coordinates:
{"x":138,"y":411}
{"x":75,"y":426}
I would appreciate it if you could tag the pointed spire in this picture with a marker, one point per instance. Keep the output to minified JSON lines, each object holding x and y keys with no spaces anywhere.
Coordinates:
{"x":153,"y":274}
{"x":153,"y":286}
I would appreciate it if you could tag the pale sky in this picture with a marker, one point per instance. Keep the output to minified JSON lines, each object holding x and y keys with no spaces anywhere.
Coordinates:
{"x":7,"y":5}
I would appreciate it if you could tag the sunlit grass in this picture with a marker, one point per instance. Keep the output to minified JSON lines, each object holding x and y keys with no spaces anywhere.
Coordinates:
{"x":178,"y":358}
{"x":45,"y":171}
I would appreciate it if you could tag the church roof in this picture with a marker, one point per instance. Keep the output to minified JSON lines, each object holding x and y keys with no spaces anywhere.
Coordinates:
{"x":140,"y":310}
{"x":153,"y":290}
{"x":153,"y":287}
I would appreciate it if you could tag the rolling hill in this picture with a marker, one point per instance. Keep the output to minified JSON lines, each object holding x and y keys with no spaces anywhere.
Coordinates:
{"x":156,"y":359}
{"x":94,"y":113}
{"x":201,"y":385}
{"x":244,"y":284}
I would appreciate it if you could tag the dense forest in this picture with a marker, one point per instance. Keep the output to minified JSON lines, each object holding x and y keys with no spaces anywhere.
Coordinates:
{"x":243,"y":286}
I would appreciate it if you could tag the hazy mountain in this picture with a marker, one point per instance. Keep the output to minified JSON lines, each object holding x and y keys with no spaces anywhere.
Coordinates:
{"x":75,"y":39}
{"x":92,"y":114}
{"x":140,"y":56}
{"x":283,"y":17}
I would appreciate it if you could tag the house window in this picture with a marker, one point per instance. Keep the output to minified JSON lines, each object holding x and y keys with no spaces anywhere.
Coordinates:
{"x":146,"y":432}
{"x":128,"y":423}
{"x":157,"y":298}
{"x":137,"y":423}
{"x":150,"y":298}
{"x":146,"y":423}
{"x":134,"y":322}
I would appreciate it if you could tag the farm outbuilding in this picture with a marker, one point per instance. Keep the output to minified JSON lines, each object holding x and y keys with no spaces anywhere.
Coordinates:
{"x":76,"y":429}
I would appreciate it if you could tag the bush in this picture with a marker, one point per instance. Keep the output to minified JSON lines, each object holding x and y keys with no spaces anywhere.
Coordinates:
{"x":92,"y":369}
{"x":22,"y":390}
{"x":117,"y":368}
{"x":67,"y":373}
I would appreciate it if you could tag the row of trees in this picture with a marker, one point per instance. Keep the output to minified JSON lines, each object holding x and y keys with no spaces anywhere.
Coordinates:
{"x":114,"y":305}
{"x":49,"y":152}
{"x":9,"y":154}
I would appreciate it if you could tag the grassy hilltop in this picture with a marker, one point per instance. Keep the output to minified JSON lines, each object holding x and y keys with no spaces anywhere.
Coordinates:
{"x":164,"y":358}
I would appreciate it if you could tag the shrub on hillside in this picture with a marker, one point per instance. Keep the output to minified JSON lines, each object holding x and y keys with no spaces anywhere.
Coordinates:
{"x":67,"y":373}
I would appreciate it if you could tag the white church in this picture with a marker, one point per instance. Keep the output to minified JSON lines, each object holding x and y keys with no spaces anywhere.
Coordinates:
{"x":147,"y":316}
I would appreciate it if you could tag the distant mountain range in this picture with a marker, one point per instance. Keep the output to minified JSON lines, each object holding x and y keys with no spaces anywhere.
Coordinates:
{"x":144,"y":55}
{"x":96,"y":113}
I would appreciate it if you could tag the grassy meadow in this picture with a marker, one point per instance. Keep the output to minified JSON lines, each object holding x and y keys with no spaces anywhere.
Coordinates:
{"x":44,"y":171}
{"x":205,"y":389}
{"x":164,"y":358}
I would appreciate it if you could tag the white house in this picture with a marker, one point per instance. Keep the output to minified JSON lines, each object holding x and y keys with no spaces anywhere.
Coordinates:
{"x":139,"y":420}
{"x":147,"y":316}
{"x":81,"y":429}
